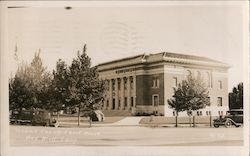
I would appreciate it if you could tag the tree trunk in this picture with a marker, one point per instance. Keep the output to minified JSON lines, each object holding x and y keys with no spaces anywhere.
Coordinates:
{"x":57,"y":118}
{"x":190,"y":123}
{"x":90,"y":121}
{"x":176,"y":121}
{"x":210,"y":118}
{"x":79,"y":110}
{"x":193,"y":121}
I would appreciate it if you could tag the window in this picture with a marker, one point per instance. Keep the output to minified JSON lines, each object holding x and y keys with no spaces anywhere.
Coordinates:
{"x":175,"y":82}
{"x":107,"y":103}
{"x":208,"y":113}
{"x":189,"y":113}
{"x":219,"y":101}
{"x":119,"y":102}
{"x":155,"y":100}
{"x":119,"y":84}
{"x":125,"y":101}
{"x":199,"y":113}
{"x":220,"y":84}
{"x":132,"y":101}
{"x":173,"y":113}
{"x":113,"y":84}
{"x":220,"y":113}
{"x":155,"y":83}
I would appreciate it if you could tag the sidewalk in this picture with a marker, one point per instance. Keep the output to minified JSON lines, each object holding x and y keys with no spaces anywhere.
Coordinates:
{"x":127,"y":121}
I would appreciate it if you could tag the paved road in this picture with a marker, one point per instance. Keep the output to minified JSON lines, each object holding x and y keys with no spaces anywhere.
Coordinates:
{"x":124,"y":136}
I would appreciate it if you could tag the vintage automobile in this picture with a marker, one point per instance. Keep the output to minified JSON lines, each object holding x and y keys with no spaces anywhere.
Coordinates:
{"x":233,"y":117}
{"x":34,"y":117}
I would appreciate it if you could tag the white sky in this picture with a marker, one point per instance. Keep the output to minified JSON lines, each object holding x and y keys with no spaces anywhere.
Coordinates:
{"x":213,"y":31}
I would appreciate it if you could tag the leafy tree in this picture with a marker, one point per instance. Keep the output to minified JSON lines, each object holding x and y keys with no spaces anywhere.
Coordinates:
{"x":86,"y":90}
{"x":236,"y":97}
{"x":21,"y":93}
{"x":190,"y":95}
{"x":28,"y":88}
{"x":58,"y":89}
{"x":41,"y":80}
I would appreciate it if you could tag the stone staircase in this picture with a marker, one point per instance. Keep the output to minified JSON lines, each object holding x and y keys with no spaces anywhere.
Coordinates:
{"x":110,"y":113}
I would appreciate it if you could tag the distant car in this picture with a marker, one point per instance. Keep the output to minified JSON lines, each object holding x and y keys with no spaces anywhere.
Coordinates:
{"x":233,"y":117}
{"x":34,"y":117}
{"x":94,"y":115}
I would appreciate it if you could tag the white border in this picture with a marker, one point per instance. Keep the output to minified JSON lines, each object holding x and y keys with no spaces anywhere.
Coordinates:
{"x":140,"y":150}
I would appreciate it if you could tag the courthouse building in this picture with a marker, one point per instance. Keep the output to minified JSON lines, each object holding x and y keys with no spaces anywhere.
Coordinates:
{"x":143,"y":83}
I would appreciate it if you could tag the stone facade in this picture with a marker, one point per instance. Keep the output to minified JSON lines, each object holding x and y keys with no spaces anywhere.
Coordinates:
{"x":144,"y":83}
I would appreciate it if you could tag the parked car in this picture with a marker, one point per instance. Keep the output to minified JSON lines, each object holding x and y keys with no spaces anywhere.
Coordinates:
{"x":233,"y":117}
{"x":34,"y":117}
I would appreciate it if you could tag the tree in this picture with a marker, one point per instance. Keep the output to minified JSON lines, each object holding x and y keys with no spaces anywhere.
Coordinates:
{"x":236,"y":97}
{"x":21,"y":93}
{"x":28,"y":88}
{"x":58,"y":89}
{"x":41,"y":80}
{"x":190,"y":95}
{"x":86,"y":90}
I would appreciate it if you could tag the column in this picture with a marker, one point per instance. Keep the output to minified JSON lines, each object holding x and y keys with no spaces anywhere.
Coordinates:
{"x":110,"y":94}
{"x":116,"y":94}
{"x":134,"y":89}
{"x":122,"y":93}
{"x":129,"y":92}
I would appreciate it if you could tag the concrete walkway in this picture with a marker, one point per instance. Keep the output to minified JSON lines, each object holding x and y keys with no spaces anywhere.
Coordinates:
{"x":128,"y":121}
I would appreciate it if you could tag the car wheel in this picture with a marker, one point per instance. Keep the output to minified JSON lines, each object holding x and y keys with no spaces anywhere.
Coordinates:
{"x":216,"y":125}
{"x":228,"y":123}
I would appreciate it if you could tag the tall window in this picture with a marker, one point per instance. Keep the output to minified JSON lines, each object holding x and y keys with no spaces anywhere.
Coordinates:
{"x":119,"y":84}
{"x":113,"y":84}
{"x":107,"y":103}
{"x":132,"y":101}
{"x":125,"y":101}
{"x":219,"y":101}
{"x":155,"y":82}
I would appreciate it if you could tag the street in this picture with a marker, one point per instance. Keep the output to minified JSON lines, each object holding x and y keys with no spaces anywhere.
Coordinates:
{"x":124,"y":136}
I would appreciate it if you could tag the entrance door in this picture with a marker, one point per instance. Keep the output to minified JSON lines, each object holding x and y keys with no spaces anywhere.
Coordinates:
{"x":156,"y":103}
{"x":155,"y":100}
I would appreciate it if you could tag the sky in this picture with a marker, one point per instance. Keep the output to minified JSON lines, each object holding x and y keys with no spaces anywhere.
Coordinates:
{"x":110,"y":32}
